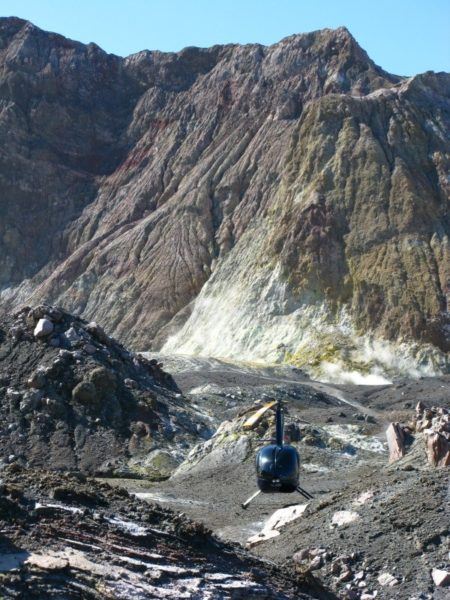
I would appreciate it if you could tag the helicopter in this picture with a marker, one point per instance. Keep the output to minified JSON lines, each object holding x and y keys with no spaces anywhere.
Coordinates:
{"x":278,"y":465}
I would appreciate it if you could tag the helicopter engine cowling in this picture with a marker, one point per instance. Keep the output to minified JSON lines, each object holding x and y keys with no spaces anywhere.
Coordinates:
{"x":278,"y":469}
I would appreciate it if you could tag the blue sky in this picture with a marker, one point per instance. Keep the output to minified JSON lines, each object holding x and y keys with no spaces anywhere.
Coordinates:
{"x":402,"y":36}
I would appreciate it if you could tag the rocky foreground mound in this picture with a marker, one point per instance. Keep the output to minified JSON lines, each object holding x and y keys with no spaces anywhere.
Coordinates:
{"x":68,"y":537}
{"x":298,"y":177}
{"x":72,"y":398}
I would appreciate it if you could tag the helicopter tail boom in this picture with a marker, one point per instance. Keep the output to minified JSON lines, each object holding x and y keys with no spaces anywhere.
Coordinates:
{"x":279,"y":425}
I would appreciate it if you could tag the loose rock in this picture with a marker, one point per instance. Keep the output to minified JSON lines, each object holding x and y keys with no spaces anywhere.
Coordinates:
{"x":43,"y":328}
{"x":440,"y":577}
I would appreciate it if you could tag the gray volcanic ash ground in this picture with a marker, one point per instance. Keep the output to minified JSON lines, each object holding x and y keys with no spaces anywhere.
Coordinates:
{"x":374,"y":529}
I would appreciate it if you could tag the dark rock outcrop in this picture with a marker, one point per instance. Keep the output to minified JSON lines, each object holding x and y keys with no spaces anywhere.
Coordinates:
{"x":77,"y":400}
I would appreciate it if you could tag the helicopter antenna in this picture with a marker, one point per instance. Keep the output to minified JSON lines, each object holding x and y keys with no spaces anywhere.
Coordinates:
{"x":279,"y":424}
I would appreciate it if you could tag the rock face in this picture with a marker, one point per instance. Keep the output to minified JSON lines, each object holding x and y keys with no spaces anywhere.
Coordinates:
{"x":299,"y":178}
{"x":77,"y":400}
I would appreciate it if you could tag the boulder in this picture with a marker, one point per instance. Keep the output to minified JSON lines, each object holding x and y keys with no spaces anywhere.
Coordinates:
{"x":280,"y":518}
{"x":440,"y":577}
{"x":301,"y":555}
{"x":38,"y":312}
{"x":43,"y":329}
{"x":71,"y":336}
{"x":37,"y":380}
{"x":104,"y":380}
{"x":14,"y":397}
{"x":344,"y":517}
{"x":55,"y":314}
{"x":434,"y":424}
{"x":346,"y":575}
{"x":26,"y":406}
{"x":16,"y":333}
{"x":316,"y":563}
{"x":34,"y":397}
{"x":84,"y":393}
{"x":141,"y":440}
{"x":438,"y":450}
{"x":160,"y":465}
{"x":336,"y":567}
{"x":97,"y":332}
{"x":216,"y":452}
{"x":387,"y":579}
{"x":396,"y":441}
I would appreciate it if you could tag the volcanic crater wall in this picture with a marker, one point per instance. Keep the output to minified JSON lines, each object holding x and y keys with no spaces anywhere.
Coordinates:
{"x":302,"y":182}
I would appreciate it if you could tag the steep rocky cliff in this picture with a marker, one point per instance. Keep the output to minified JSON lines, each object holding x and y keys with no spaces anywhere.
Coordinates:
{"x":306,"y":187}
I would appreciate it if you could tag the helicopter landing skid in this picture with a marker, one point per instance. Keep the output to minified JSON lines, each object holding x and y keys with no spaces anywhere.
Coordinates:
{"x":300,"y":490}
{"x":252,"y":497}
{"x":304,"y":493}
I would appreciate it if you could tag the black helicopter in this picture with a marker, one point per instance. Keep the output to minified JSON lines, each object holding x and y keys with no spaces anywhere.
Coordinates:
{"x":278,"y":465}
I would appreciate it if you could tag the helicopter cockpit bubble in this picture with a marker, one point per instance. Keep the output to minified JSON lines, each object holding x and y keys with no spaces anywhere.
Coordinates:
{"x":278,"y":469}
